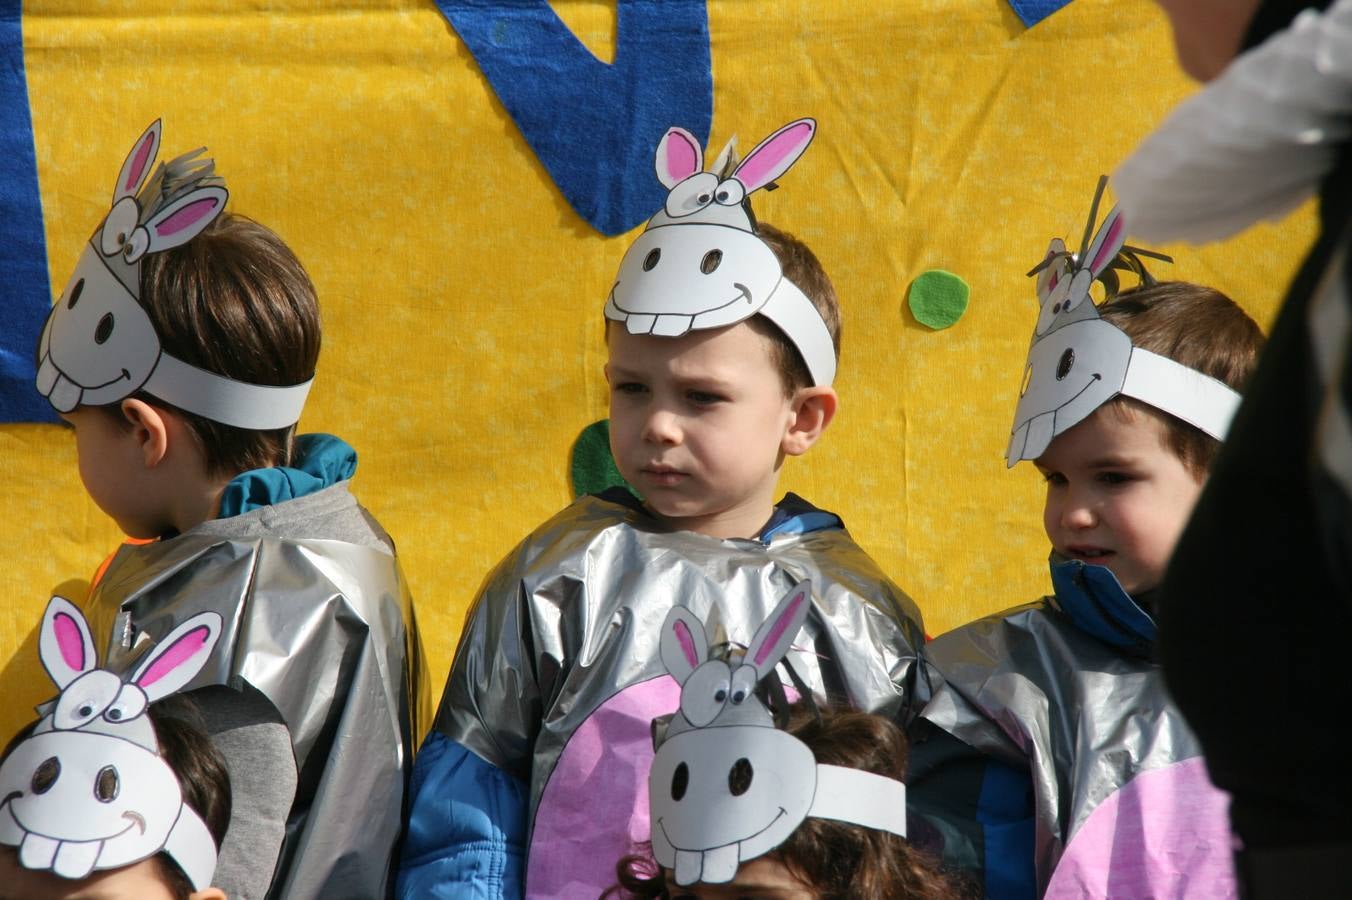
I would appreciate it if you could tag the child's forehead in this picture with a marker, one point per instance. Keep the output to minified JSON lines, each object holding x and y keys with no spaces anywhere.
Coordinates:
{"x":1118,"y":431}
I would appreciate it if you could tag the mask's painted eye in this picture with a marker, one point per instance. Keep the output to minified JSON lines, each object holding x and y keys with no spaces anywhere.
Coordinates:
{"x":704,"y":693}
{"x":137,"y":244}
{"x":106,"y":785}
{"x":104,"y":330}
{"x":738,"y":696}
{"x":704,"y":199}
{"x":75,"y":293}
{"x":740,"y":777}
{"x":730,"y":192}
{"x":692,"y":195}
{"x":710,"y":261}
{"x":46,"y":774}
{"x":1056,"y":309}
{"x":1066,"y":364}
{"x":650,"y":261}
{"x":119,"y":225}
{"x":680,"y":780}
{"x":85,"y":711}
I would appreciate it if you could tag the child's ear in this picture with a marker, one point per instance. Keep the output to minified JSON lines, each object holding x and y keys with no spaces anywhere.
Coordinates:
{"x":150,"y":429}
{"x":812,"y":408}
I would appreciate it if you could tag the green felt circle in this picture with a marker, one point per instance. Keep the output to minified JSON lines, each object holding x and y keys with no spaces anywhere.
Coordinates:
{"x":591,"y":466}
{"x":938,"y":298}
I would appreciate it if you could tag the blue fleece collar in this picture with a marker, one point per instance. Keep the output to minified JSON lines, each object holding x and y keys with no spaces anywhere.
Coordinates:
{"x":320,"y":461}
{"x":1095,"y":601}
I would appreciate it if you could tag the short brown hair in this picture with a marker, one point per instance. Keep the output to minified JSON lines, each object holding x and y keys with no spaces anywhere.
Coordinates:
{"x":1198,"y":327}
{"x":235,"y":301}
{"x":800,"y":266}
{"x":836,"y":859}
{"x":201,"y":773}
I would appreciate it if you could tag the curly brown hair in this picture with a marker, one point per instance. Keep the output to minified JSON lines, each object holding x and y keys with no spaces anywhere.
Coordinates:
{"x":835,"y":859}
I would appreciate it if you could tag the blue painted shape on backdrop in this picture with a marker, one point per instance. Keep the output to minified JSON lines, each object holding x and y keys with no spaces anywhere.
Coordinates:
{"x":26,"y":296}
{"x":1034,"y":11}
{"x":596,"y":126}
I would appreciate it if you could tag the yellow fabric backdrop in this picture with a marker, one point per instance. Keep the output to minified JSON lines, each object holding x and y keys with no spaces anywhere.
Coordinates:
{"x":461,"y":296}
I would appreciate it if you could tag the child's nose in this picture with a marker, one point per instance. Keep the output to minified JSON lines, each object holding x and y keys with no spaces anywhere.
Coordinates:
{"x":1078,"y":513}
{"x":661,"y":427}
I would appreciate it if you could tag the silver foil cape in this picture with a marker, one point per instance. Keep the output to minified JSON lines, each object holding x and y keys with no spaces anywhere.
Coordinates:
{"x":317,"y":626}
{"x":1032,"y":689}
{"x":571,"y":619}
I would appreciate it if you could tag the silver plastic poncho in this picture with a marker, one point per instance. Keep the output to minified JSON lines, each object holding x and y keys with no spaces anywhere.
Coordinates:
{"x":558,"y":678}
{"x":319,"y":628}
{"x":1068,"y":689}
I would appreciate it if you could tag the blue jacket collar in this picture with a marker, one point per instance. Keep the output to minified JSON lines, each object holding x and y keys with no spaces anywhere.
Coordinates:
{"x":320,"y":461}
{"x":1094,"y":600}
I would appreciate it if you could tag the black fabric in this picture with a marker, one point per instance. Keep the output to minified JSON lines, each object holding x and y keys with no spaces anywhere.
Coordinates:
{"x":1274,"y":15}
{"x":1256,"y":621}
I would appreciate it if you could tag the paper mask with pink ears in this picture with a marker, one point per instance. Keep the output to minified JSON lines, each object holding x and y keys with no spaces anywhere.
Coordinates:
{"x":699,"y":263}
{"x":1078,"y":361}
{"x":726,"y":785}
{"x":99,"y":346}
{"x":88,"y":790}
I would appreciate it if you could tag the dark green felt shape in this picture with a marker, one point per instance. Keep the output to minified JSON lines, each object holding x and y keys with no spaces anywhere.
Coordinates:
{"x":591,"y":466}
{"x":938,"y":298}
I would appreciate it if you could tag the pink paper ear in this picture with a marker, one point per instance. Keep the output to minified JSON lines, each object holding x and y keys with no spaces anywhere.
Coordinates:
{"x":65,"y":645}
{"x":185,"y":218}
{"x":678,"y":157}
{"x":181,"y":651}
{"x":773,"y":638}
{"x":1108,"y":242}
{"x":179,"y":657}
{"x":773,"y":156}
{"x":138,"y":162}
{"x":686,"y":641}
{"x":70,"y":641}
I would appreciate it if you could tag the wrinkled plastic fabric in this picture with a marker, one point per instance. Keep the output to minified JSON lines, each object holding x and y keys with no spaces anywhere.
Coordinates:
{"x":317,"y":626}
{"x":563,"y":643}
{"x":1115,"y":769}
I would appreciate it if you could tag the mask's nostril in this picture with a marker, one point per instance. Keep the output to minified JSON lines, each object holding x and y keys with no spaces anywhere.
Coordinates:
{"x":46,"y":774}
{"x":650,"y":261}
{"x":740,"y":776}
{"x":106,"y":785}
{"x":1066,"y":364}
{"x":680,"y":780}
{"x":104,"y":330}
{"x":710,"y":261}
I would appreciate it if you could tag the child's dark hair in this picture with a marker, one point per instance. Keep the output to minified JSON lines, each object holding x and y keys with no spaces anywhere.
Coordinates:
{"x":836,"y":859}
{"x":200,"y":770}
{"x":196,"y":763}
{"x":1198,"y":327}
{"x":235,"y":301}
{"x":800,"y":266}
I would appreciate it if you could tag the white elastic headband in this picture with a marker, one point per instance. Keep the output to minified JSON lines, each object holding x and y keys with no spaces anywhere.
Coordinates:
{"x":99,"y":345}
{"x":88,"y":789}
{"x":1078,"y":361}
{"x":700,"y":264}
{"x":859,"y":798}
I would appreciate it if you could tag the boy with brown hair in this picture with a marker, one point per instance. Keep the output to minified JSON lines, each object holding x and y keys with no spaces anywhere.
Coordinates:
{"x":181,"y":353}
{"x":1049,"y":760}
{"x":721,"y":339}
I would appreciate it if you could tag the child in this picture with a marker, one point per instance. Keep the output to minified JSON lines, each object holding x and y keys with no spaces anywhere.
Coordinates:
{"x":107,"y":753}
{"x":801,"y":801}
{"x":1124,"y":411}
{"x":536,"y":764}
{"x":181,"y":353}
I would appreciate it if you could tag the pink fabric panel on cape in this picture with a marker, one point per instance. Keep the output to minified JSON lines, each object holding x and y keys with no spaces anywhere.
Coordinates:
{"x":594,"y":810}
{"x":1165,"y":834}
